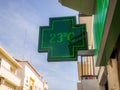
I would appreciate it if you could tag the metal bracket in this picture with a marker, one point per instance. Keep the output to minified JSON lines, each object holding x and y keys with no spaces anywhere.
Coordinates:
{"x":86,"y":52}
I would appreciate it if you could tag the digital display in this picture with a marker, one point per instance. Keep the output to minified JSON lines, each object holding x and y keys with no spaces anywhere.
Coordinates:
{"x":59,"y":37}
{"x":62,"y":39}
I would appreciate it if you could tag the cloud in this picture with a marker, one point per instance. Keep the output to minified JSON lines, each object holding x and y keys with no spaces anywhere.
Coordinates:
{"x":19,"y":28}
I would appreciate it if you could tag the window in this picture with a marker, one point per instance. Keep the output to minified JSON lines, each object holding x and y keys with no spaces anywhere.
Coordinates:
{"x":0,"y":61}
{"x":12,"y":69}
{"x":26,"y":80}
{"x":31,"y":88}
{"x":35,"y":86}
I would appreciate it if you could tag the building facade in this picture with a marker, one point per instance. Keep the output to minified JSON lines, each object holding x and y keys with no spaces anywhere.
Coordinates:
{"x":19,"y":75}
{"x":31,"y":79}
{"x":87,"y":72}
{"x":8,"y":71}
{"x":106,"y":38}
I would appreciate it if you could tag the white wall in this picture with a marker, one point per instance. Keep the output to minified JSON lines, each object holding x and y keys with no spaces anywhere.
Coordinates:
{"x":90,"y":85}
{"x":26,"y":73}
{"x":6,"y":86}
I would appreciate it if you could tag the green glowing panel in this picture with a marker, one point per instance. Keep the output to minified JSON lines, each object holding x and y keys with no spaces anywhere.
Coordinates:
{"x":62,"y":39}
{"x":99,"y":22}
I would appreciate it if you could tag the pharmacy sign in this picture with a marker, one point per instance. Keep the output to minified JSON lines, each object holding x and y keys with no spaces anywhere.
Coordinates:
{"x":62,"y":39}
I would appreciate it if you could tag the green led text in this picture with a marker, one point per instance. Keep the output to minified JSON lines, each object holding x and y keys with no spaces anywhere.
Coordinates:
{"x":59,"y":37}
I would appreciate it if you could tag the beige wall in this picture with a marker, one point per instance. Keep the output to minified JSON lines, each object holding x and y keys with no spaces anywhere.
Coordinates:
{"x":109,"y":74}
{"x":101,"y":75}
{"x":113,"y":80}
{"x":88,"y":21}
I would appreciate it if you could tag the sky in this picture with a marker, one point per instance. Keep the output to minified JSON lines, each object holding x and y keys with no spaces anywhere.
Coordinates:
{"x":19,"y":30}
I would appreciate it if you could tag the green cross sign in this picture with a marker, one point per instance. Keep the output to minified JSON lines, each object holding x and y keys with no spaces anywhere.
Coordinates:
{"x":62,"y":39}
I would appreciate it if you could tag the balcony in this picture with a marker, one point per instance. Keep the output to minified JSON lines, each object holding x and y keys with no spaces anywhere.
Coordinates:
{"x":9,"y":76}
{"x":83,"y":6}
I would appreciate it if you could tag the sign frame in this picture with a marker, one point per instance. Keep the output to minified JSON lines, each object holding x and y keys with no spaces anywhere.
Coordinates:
{"x":80,"y":28}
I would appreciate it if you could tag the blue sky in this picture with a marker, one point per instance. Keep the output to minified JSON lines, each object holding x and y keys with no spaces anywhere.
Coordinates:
{"x":19,"y":28}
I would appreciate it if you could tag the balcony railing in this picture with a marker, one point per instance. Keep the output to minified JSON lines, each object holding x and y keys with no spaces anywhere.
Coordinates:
{"x":9,"y":76}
